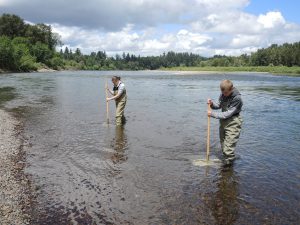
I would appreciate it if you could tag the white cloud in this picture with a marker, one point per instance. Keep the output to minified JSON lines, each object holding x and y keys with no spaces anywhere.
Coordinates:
{"x":109,"y":15}
{"x":115,"y":14}
{"x":217,"y":5}
{"x":271,"y":20}
{"x":240,"y":41}
{"x":149,"y":27}
{"x":188,"y":41}
{"x":130,"y":41}
{"x":235,"y":52}
{"x":229,"y":22}
{"x":240,"y":32}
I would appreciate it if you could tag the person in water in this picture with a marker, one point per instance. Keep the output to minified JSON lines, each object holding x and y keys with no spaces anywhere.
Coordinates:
{"x":231,"y":103}
{"x":120,"y":97}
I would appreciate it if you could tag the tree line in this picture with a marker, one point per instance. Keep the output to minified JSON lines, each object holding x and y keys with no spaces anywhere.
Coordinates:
{"x":100,"y":61}
{"x":27,"y":47}
{"x":23,"y":47}
{"x":275,"y":55}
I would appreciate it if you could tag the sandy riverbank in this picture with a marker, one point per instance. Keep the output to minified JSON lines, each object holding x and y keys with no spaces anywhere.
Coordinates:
{"x":46,"y":70}
{"x":15,"y":187}
{"x":184,"y":72}
{"x":278,"y":70}
{"x":4,"y":71}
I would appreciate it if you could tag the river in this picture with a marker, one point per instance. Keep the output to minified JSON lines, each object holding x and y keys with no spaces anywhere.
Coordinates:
{"x":88,"y":172}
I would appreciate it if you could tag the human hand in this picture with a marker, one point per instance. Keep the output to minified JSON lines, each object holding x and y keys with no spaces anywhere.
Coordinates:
{"x":209,"y":101}
{"x":209,"y":113}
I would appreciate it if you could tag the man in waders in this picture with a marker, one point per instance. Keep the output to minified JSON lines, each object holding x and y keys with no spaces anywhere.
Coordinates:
{"x":119,"y":95}
{"x":230,"y":102}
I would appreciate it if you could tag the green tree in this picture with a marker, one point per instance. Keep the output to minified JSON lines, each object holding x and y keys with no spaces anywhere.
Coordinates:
{"x":41,"y":52}
{"x":12,"y":26}
{"x":6,"y":53}
{"x":27,"y":63}
{"x":57,"y":62}
{"x":22,"y":59}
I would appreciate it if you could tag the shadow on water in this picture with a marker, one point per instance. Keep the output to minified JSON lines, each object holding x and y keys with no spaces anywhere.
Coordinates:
{"x":213,"y":200}
{"x":224,"y":204}
{"x":119,"y":144}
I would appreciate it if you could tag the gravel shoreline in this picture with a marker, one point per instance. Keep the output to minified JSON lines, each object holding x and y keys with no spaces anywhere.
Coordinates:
{"x":15,"y":187}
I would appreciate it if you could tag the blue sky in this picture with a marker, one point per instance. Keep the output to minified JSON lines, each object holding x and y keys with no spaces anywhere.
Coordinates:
{"x":290,"y":9}
{"x":151,"y":27}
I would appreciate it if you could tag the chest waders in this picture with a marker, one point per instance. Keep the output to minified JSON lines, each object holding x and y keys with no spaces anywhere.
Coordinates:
{"x":230,"y":130}
{"x":120,"y":107}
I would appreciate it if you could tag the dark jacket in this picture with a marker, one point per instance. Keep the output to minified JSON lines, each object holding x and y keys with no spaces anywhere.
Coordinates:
{"x":231,"y":105}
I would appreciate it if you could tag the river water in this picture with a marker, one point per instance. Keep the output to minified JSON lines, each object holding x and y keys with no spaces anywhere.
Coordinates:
{"x":87,"y":172}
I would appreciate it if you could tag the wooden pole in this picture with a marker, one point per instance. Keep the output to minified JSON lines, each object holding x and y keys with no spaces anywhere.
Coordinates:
{"x":208,"y":134}
{"x":107,"y":106}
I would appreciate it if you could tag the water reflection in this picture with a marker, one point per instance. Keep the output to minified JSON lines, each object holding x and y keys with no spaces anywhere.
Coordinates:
{"x":119,"y":145}
{"x":224,"y":203}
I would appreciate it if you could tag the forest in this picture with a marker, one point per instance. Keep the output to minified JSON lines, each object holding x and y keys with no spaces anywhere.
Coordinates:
{"x":28,"y":47}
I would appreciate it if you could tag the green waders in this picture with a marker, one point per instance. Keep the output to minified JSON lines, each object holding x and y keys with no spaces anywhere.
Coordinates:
{"x":120,"y":107}
{"x":230,"y":130}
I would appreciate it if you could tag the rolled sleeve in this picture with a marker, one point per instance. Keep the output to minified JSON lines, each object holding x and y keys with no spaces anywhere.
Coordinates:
{"x":234,"y":108}
{"x":121,"y":89}
{"x":224,"y":115}
{"x":216,"y":105}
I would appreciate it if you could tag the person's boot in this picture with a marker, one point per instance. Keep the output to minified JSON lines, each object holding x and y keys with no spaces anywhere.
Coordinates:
{"x":124,"y":120}
{"x":228,"y":161}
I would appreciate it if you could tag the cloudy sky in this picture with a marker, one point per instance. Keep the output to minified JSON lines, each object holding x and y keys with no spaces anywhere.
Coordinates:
{"x":151,"y":27}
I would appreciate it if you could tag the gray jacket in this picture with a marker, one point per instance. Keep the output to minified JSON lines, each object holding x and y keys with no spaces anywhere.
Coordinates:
{"x":231,"y":105}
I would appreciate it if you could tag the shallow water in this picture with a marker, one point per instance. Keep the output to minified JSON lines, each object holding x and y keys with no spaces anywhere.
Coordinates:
{"x":90,"y":173}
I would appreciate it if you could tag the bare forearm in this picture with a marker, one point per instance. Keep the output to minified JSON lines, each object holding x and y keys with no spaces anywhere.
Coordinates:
{"x":110,"y":91}
{"x":115,"y":97}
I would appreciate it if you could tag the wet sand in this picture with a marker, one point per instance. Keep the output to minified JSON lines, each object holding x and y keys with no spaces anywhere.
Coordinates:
{"x":15,"y":187}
